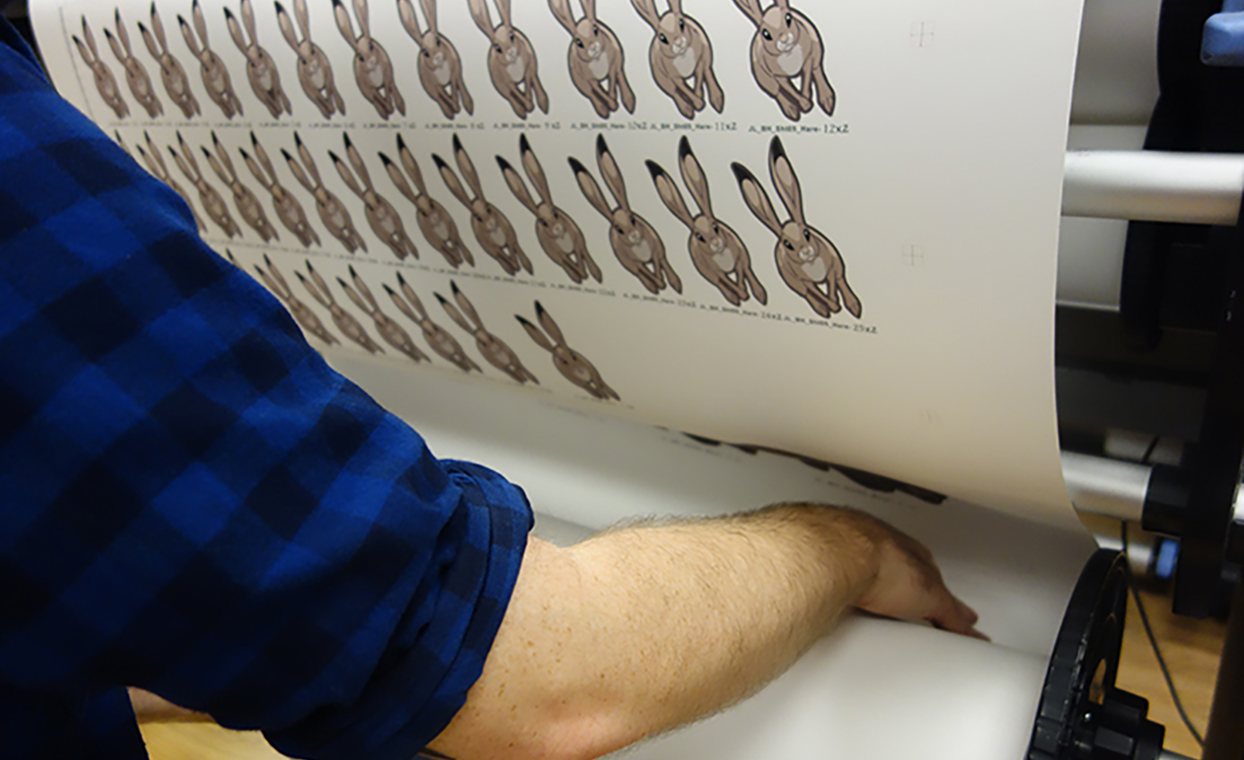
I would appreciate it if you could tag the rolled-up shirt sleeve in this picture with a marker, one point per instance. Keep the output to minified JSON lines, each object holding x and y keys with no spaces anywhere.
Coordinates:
{"x":192,"y":501}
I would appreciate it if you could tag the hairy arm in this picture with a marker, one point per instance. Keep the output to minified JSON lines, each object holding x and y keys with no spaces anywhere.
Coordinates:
{"x":642,"y":629}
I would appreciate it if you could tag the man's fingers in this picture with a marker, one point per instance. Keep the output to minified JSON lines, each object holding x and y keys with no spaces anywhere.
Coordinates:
{"x":955,"y":616}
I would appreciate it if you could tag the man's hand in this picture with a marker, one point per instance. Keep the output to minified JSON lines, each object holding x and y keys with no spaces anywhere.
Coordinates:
{"x":642,"y":629}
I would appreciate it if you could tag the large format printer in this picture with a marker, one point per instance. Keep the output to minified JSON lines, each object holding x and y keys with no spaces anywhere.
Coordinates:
{"x":1149,"y":347}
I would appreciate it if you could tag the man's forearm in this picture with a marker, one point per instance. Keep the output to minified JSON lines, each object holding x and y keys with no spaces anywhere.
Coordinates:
{"x":643,"y":629}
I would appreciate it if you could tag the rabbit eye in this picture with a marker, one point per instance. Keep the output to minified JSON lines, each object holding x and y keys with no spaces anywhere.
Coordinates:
{"x":789,"y":247}
{"x":578,"y":43}
{"x":789,"y":18}
{"x":699,"y":237}
{"x":663,"y":40}
{"x":497,"y":48}
{"x":716,"y":229}
{"x":682,"y":25}
{"x":765,"y":33}
{"x":807,"y":235}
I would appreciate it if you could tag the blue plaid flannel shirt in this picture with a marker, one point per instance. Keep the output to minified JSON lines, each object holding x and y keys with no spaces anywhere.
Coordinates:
{"x":191,"y":501}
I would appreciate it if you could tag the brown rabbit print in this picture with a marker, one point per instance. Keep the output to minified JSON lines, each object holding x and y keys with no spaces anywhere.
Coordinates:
{"x":135,"y":73}
{"x":788,"y":58}
{"x":248,"y":205}
{"x":636,"y":244}
{"x":300,"y":311}
{"x":493,"y":348}
{"x":155,"y":164}
{"x":438,"y":338}
{"x":434,"y":221}
{"x":261,"y":70}
{"x":572,"y":364}
{"x":211,"y":68}
{"x":440,"y":68}
{"x":716,"y":250}
{"x":348,"y":325}
{"x":391,"y":331}
{"x":211,"y":201}
{"x":808,"y":262}
{"x":492,"y":229}
{"x":105,"y":82}
{"x":681,"y":58}
{"x":512,"y":62}
{"x":332,"y":211}
{"x":559,"y":236}
{"x":287,"y":207}
{"x":315,"y":74}
{"x":383,"y":218}
{"x":596,"y":59}
{"x":176,"y":83}
{"x":372,"y":68}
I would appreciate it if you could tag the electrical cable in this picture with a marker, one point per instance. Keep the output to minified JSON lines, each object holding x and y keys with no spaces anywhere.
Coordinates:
{"x":1157,"y":651}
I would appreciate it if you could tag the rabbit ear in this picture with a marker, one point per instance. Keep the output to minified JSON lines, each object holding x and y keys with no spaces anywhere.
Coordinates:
{"x":346,"y":176}
{"x":676,"y":7}
{"x":188,"y":34}
{"x":357,"y":162}
{"x":117,"y":50}
{"x":354,"y":297}
{"x":360,"y":10}
{"x":590,"y":189}
{"x":453,"y":313}
{"x":123,"y":36}
{"x":561,"y":11}
{"x":255,"y":170}
{"x":149,"y":41}
{"x":467,"y":168}
{"x":344,"y":24}
{"x":276,"y":275}
{"x":235,"y":30}
{"x":151,"y":165}
{"x":516,"y":184}
{"x":363,"y":289}
{"x":307,"y":161}
{"x":756,"y":198}
{"x":157,"y":28}
{"x":248,"y":20}
{"x":297,"y":171}
{"x":479,"y":12}
{"x":465,"y":303}
{"x":429,"y":13}
{"x":751,"y":8}
{"x":415,"y":303}
{"x":503,"y":10}
{"x":314,"y":291}
{"x":406,"y":12}
{"x":216,"y":167}
{"x":304,"y":18}
{"x":785,"y":181}
{"x":536,"y":335}
{"x":262,"y":156}
{"x":287,"y":26}
{"x":532,"y":165}
{"x":154,"y":160}
{"x":549,"y":325}
{"x":693,"y":175}
{"x":89,"y":37}
{"x":412,"y":168}
{"x":270,"y":284}
{"x":669,"y":193}
{"x":395,"y":174}
{"x":320,"y":284}
{"x":589,"y":9}
{"x":609,"y":171}
{"x":182,"y":165}
{"x":401,"y":305}
{"x":224,"y":157}
{"x":84,"y":52}
{"x":647,"y":10}
{"x":451,"y":180}
{"x":200,"y":21}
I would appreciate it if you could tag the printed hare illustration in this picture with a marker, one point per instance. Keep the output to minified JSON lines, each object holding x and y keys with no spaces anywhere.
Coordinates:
{"x":434,"y":221}
{"x":437,"y":337}
{"x":215,"y":75}
{"x":105,"y":82}
{"x":716,"y":250}
{"x":288,"y":209}
{"x":511,"y":60}
{"x":681,"y":58}
{"x":440,"y":68}
{"x":314,"y":71}
{"x":787,"y":47}
{"x":159,"y":170}
{"x":634,"y":241}
{"x":332,"y":212}
{"x":135,"y":73}
{"x":248,"y":205}
{"x":176,"y":84}
{"x":809,"y":264}
{"x":391,"y":331}
{"x":572,"y":364}
{"x":559,"y":236}
{"x":261,"y":70}
{"x":383,"y":218}
{"x":493,"y":348}
{"x":213,"y":204}
{"x":492,"y":230}
{"x":596,"y":59}
{"x":372,"y":68}
{"x":301,"y":312}
{"x":348,"y":325}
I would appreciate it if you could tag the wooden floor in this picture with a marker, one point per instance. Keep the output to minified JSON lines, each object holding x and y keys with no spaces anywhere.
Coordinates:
{"x":1191,"y":649}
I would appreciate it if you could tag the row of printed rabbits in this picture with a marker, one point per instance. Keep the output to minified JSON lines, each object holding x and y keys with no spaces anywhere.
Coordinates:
{"x":787,"y":59}
{"x":572,"y":364}
{"x":807,"y":261}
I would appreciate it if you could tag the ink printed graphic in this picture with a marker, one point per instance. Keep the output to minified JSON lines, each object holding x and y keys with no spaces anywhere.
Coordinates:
{"x":788,"y":58}
{"x":490,"y":346}
{"x":348,"y":325}
{"x":511,"y":60}
{"x":315,"y":73}
{"x":595,"y":58}
{"x":135,"y":73}
{"x":105,"y":82}
{"x":261,"y":70}
{"x":373,"y":70}
{"x":332,"y":212}
{"x":572,"y":364}
{"x":681,"y":58}
{"x":809,"y":263}
{"x":381,"y":215}
{"x":440,"y":67}
{"x":391,"y":331}
{"x":176,"y":84}
{"x":248,"y":205}
{"x":492,"y":229}
{"x":287,"y":207}
{"x":301,"y":312}
{"x":438,"y":338}
{"x":211,"y":201}
{"x":211,"y":68}
{"x":155,"y":164}
{"x":434,"y":221}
